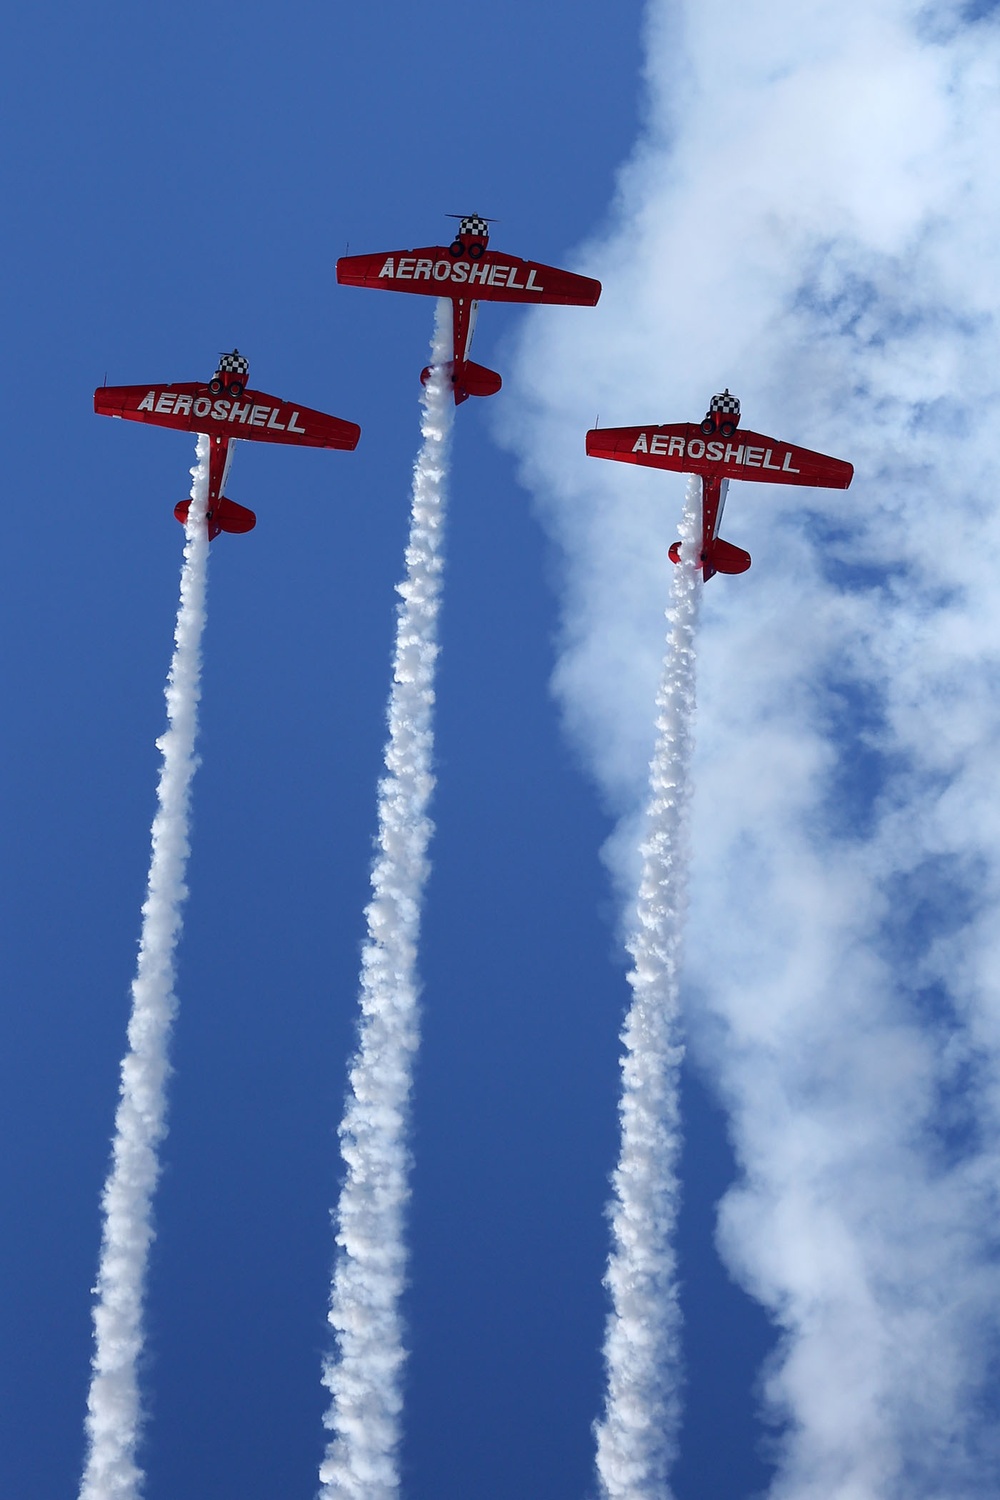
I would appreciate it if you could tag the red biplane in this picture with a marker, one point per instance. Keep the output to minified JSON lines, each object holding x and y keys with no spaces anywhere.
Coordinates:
{"x":225,"y":409}
{"x":469,"y":273}
{"x":718,"y":449}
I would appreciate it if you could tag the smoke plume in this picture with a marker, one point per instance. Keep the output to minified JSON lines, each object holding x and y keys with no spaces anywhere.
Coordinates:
{"x":365,"y":1377}
{"x":636,"y":1439}
{"x":114,"y":1413}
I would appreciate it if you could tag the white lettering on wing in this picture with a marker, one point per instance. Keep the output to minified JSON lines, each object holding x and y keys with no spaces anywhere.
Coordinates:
{"x":442,"y":270}
{"x":714,"y":451}
{"x":272,"y":420}
{"x":531,"y":284}
{"x":640,"y":445}
{"x":239,"y":413}
{"x":166,"y":402}
{"x":202,"y":406}
{"x":676,"y":446}
{"x":146,"y":404}
{"x":787,"y":465}
{"x":479,"y":272}
{"x":423,"y":270}
{"x":698,"y":443}
{"x":182,"y":406}
{"x":659,"y":443}
{"x":752,"y":457}
{"x":767,"y":461}
{"x":498,"y":275}
{"x":512,"y":281}
{"x":734,"y":453}
{"x":291,"y":424}
{"x":460,"y":270}
{"x":220,"y":411}
{"x":258,"y":417}
{"x":404,"y":271}
{"x":389,"y":269}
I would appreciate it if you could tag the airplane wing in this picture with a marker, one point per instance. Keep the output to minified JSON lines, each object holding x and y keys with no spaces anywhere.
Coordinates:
{"x":494,"y":277}
{"x":190,"y":407}
{"x":682,"y":447}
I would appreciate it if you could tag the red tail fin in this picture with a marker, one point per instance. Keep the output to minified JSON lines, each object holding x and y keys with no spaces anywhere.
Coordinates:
{"x":425,"y":373}
{"x":226,"y":516}
{"x":725,"y":558}
{"x":478,"y":381}
{"x":475,"y":380}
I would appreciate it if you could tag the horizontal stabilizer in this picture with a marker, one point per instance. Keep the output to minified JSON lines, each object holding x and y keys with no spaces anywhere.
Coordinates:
{"x":475,"y":379}
{"x":425,"y":373}
{"x":478,"y":381}
{"x":226,"y":515}
{"x":725,"y":558}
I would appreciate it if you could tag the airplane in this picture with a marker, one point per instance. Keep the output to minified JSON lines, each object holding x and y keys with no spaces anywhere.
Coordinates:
{"x":217,"y":410}
{"x":736,"y":453}
{"x":469,"y":273}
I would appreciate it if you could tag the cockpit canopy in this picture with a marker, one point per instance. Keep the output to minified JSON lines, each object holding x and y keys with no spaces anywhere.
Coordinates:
{"x":725,"y":404}
{"x":231,"y":375}
{"x":235,"y":364}
{"x":723,"y":415}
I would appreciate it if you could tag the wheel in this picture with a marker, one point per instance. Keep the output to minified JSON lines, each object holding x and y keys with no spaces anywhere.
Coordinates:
{"x":727,"y":429}
{"x":708,"y":427}
{"x":475,"y":251}
{"x":236,"y":387}
{"x":215,"y":386}
{"x":456,"y":248}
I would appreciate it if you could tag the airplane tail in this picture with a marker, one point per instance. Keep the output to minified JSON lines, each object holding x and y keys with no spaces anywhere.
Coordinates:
{"x":721,"y":557}
{"x":225,"y":515}
{"x":725,"y":558}
{"x":475,"y":380}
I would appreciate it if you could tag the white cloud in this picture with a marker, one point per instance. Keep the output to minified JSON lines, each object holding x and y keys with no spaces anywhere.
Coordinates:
{"x":812,"y":220}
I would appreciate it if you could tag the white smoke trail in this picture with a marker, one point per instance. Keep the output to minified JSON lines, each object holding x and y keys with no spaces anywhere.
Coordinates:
{"x":364,"y":1379}
{"x":113,"y":1409}
{"x":636,"y":1439}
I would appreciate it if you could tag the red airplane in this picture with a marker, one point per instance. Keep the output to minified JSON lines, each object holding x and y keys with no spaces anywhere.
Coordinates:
{"x":693,"y":448}
{"x":217,"y":410}
{"x":468,"y":273}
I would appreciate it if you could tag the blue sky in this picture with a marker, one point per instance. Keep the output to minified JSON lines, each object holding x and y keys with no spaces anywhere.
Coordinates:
{"x":182,"y":180}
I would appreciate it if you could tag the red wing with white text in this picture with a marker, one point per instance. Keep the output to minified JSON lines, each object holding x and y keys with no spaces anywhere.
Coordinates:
{"x":468,"y":272}
{"x":719,"y":449}
{"x":225,"y":408}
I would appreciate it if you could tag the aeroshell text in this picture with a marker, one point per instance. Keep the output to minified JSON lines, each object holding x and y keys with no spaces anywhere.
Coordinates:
{"x":247,"y":413}
{"x":672,"y":445}
{"x":471,"y":273}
